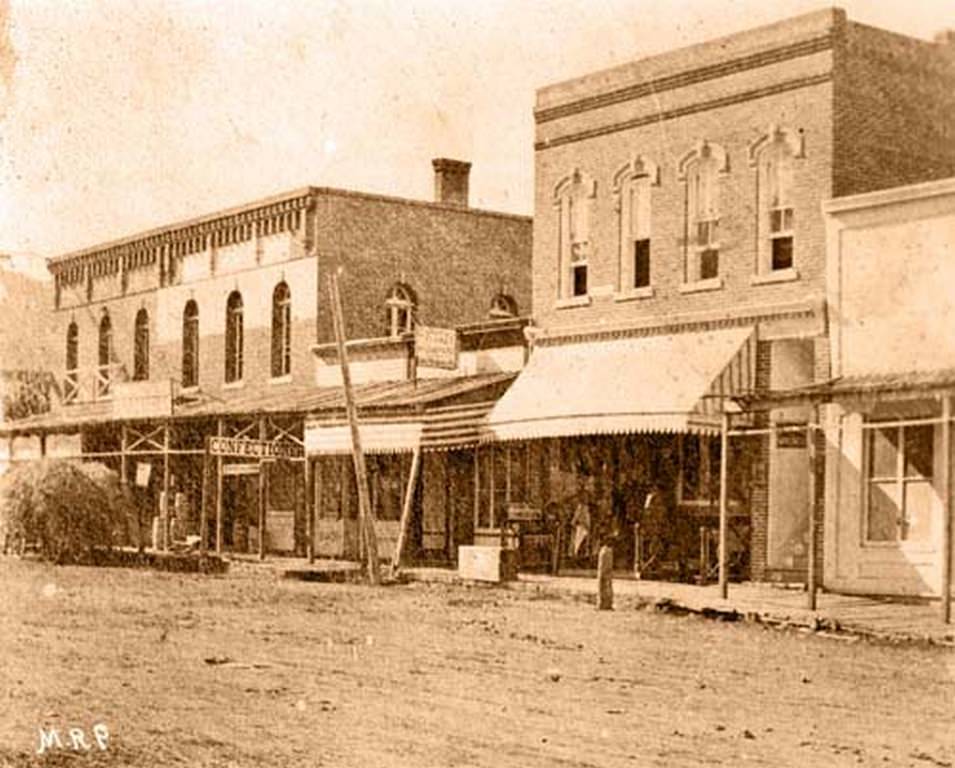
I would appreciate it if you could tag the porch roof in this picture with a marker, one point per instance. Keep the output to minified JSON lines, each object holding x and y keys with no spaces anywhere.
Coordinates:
{"x":665,"y":383}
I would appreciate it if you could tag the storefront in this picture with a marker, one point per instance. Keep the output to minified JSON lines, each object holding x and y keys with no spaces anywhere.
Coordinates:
{"x":616,"y":441}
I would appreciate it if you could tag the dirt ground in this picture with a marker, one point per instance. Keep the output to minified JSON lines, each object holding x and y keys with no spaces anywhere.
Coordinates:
{"x":436,"y":675}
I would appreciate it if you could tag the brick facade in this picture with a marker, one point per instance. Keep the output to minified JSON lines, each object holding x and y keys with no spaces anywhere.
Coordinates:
{"x":455,"y":259}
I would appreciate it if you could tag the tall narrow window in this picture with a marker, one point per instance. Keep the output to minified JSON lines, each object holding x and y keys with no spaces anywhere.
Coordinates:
{"x":632,"y":189}
{"x":574,"y":199}
{"x":899,"y":468}
{"x":105,"y":356}
{"x":71,"y":384}
{"x":141,"y":346}
{"x":281,"y":331}
{"x":190,"y":345}
{"x":400,"y":305}
{"x":774,"y":155}
{"x":233,"y":337}
{"x":701,"y":170}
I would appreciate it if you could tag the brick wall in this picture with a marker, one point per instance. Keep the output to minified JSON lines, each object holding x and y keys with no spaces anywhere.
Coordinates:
{"x":454,"y":259}
{"x":759,"y":519}
{"x":894,"y":110}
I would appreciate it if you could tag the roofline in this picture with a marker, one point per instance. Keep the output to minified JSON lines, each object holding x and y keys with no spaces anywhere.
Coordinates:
{"x":310,"y":191}
{"x":892,"y":196}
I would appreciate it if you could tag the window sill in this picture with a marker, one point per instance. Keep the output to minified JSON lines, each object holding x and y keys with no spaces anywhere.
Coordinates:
{"x":904,"y":546}
{"x":286,"y":379}
{"x":710,"y":284}
{"x":234,"y":384}
{"x":635,"y":294}
{"x":573,"y":301}
{"x":193,"y":390}
{"x":776,"y":276}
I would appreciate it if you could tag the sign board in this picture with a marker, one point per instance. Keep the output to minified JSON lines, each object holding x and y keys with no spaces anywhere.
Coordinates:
{"x":143,"y":470}
{"x":436,"y":347}
{"x":254,"y":449}
{"x":141,"y":399}
{"x":791,"y":434}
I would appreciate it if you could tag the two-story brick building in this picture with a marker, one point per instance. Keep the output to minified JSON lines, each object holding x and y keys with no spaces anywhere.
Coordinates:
{"x":206,"y":327}
{"x":679,"y":261}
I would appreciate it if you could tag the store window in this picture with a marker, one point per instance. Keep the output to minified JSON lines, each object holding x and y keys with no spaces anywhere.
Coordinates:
{"x":141,"y":346}
{"x":190,"y":345}
{"x":281,"y":331}
{"x":899,"y":496}
{"x":699,"y":470}
{"x":574,"y":199}
{"x":233,"y":338}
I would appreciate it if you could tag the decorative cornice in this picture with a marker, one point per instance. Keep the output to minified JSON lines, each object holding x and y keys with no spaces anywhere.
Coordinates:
{"x":687,"y":77}
{"x":683,"y":324}
{"x":689,"y":109}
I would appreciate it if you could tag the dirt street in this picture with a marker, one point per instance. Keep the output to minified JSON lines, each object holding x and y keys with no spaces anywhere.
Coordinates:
{"x":247,"y":669}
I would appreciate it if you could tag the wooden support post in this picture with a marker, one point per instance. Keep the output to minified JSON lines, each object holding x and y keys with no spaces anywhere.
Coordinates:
{"x":406,"y":509}
{"x":947,"y":510}
{"x":43,"y":445}
{"x":164,"y":518}
{"x":811,"y":486}
{"x":309,"y":511}
{"x":219,"y":430}
{"x":365,"y":513}
{"x":724,"y":512}
{"x":204,"y":502}
{"x":704,"y":555}
{"x":263,"y":493}
{"x":637,"y":551}
{"x":605,"y":579}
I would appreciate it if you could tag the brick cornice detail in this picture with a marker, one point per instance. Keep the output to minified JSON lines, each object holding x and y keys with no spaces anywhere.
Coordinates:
{"x":690,"y":109}
{"x":687,"y":77}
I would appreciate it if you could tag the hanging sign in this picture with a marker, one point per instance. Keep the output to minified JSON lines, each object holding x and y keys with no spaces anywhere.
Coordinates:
{"x":254,"y":449}
{"x":143,"y":470}
{"x":436,"y":347}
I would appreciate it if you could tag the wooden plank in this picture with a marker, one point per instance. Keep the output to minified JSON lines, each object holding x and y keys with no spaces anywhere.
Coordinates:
{"x":406,"y":508}
{"x":219,"y":430}
{"x":263,"y":493}
{"x":947,"y":509}
{"x":204,"y":504}
{"x":811,"y":483}
{"x":724,"y":460}
{"x":365,"y":513}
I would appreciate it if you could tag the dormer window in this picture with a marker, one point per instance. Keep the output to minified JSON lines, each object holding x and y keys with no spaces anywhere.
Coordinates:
{"x":401,"y":306}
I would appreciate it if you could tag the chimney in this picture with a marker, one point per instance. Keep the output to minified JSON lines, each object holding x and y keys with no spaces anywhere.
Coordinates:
{"x":451,"y":181}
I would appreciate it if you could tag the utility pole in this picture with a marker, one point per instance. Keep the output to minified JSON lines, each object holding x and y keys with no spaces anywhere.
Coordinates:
{"x":365,"y":513}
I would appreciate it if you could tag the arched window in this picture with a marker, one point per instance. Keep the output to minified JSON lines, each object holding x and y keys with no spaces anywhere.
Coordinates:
{"x":190,"y":345}
{"x":774,"y":156}
{"x":105,"y":356}
{"x":700,"y":170}
{"x":233,"y":337}
{"x":632,"y":189}
{"x":401,"y":305}
{"x":502,"y":306}
{"x":141,"y":346}
{"x":71,"y":385}
{"x":281,"y":331}
{"x":574,"y":199}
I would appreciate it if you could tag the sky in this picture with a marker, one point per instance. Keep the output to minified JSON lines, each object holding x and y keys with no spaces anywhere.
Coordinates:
{"x":118,"y":116}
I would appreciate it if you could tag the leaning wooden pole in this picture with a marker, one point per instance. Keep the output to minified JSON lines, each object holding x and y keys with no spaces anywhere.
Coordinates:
{"x":948,"y":509}
{"x":406,"y":512}
{"x":724,"y":513}
{"x":811,"y":548}
{"x":365,"y":514}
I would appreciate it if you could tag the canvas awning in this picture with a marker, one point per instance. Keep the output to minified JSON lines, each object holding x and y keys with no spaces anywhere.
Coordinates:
{"x":666,"y":383}
{"x":392,"y":436}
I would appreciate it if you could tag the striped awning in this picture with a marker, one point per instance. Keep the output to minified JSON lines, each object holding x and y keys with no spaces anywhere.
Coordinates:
{"x":397,"y":435}
{"x":665,"y":383}
{"x":454,"y":426}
